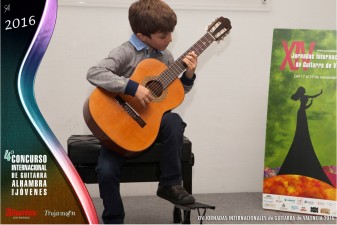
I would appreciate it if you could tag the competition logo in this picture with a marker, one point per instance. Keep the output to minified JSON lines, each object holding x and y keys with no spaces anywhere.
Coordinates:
{"x":303,"y":209}
{"x":325,"y":211}
{"x":300,"y":201}
{"x":293,"y":58}
{"x":314,"y":209}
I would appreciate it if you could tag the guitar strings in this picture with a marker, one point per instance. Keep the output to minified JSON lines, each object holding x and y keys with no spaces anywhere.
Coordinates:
{"x":171,"y":73}
{"x":179,"y":66}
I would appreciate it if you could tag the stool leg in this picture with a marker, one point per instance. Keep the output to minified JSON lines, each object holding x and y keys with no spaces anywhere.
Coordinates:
{"x":177,"y":215}
{"x":187,"y":215}
{"x":187,"y":183}
{"x":187,"y":177}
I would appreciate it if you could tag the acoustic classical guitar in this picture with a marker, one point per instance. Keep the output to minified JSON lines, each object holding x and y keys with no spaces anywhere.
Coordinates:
{"x":121,"y":123}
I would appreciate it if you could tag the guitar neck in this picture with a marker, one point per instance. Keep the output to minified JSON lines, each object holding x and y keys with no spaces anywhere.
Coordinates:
{"x":172,"y":72}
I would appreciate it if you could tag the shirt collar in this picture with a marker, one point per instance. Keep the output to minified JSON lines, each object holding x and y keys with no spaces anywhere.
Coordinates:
{"x":139,"y":45}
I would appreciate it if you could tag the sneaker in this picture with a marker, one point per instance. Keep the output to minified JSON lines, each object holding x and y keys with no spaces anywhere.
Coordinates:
{"x":175,"y":194}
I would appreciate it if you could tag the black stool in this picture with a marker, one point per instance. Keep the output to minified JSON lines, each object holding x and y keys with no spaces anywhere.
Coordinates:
{"x":83,"y":151}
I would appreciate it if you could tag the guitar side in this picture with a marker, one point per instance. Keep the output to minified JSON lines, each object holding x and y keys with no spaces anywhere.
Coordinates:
{"x":112,"y":124}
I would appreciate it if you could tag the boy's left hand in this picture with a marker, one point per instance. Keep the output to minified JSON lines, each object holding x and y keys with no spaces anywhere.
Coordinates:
{"x":191,"y":61}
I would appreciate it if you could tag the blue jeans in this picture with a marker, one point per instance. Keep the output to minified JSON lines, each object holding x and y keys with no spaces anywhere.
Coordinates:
{"x":109,"y":164}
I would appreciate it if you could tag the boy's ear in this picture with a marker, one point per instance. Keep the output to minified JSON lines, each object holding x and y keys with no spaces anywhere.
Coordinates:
{"x":141,"y":36}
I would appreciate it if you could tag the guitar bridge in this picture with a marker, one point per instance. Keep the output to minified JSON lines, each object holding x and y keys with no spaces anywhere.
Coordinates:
{"x":128,"y":108}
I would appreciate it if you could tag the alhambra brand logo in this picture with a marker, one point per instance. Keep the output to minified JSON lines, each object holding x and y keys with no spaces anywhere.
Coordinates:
{"x":26,"y":213}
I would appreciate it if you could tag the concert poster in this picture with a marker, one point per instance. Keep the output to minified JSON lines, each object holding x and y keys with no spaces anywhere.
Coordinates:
{"x":38,"y":182}
{"x":300,"y":150}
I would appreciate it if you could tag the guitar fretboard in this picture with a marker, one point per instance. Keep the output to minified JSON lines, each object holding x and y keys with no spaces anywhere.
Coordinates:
{"x":172,"y":72}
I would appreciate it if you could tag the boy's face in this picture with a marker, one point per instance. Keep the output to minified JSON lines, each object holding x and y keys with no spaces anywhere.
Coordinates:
{"x":158,"y":40}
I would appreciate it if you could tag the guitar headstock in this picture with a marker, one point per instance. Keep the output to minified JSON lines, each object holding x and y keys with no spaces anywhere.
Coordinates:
{"x":219,"y":28}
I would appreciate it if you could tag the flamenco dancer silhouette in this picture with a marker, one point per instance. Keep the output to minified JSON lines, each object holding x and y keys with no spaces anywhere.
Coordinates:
{"x":301,"y":158}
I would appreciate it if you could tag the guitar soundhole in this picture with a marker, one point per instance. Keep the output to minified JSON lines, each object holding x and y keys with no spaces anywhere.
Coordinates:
{"x":155,"y":87}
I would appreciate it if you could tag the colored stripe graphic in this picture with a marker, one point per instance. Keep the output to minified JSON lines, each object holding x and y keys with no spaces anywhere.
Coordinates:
{"x":25,"y":86}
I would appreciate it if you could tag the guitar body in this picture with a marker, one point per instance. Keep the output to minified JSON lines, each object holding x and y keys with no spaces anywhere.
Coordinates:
{"x":111,"y":123}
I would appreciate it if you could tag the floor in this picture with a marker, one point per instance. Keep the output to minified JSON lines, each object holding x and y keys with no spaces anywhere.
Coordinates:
{"x":230,"y":208}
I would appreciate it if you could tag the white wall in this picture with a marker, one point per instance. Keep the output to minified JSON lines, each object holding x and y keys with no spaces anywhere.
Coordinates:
{"x":225,"y":112}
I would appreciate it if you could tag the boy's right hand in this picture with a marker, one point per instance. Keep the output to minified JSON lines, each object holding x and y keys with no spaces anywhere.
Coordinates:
{"x":143,"y":95}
